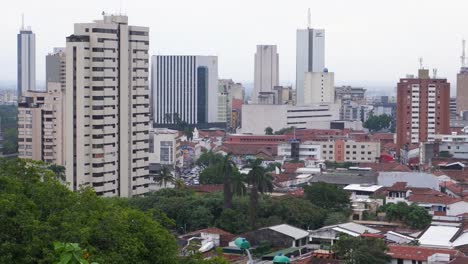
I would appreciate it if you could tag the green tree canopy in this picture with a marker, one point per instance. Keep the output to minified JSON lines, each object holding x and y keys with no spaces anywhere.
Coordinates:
{"x":412,"y":215}
{"x":327,"y":196}
{"x":37,"y":210}
{"x":353,"y":250}
{"x":376,"y":123}
{"x":268,"y":131}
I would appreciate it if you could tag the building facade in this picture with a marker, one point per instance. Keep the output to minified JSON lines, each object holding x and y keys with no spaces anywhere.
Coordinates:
{"x":266,"y":72}
{"x":107,"y":107}
{"x":462,"y":90}
{"x":255,"y":118}
{"x":40,"y":125}
{"x":310,"y":56}
{"x":319,"y":87}
{"x":164,"y":144}
{"x":184,"y":88}
{"x":296,"y":150}
{"x":422,"y":109}
{"x":26,"y":68}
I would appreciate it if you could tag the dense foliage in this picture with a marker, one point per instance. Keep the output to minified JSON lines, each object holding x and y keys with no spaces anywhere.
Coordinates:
{"x":378,"y":122}
{"x":8,"y":128}
{"x":352,"y":250}
{"x":328,"y":196}
{"x":37,"y":210}
{"x":412,"y":215}
{"x":191,"y":211}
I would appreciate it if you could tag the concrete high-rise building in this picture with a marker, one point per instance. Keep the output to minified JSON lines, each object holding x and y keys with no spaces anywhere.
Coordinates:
{"x":184,"y":88}
{"x":266,"y":75}
{"x":55,"y":67}
{"x":423,"y":109}
{"x":462,"y":90}
{"x":107,"y":107}
{"x":310,"y":56}
{"x":40,"y":125}
{"x":319,"y":87}
{"x":26,"y":68}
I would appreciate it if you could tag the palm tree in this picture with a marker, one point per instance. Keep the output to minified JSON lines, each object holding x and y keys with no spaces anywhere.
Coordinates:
{"x":227,"y":168}
{"x":260,"y":181}
{"x":238,"y":183}
{"x":58,"y":170}
{"x":164,"y":176}
{"x":179,"y":184}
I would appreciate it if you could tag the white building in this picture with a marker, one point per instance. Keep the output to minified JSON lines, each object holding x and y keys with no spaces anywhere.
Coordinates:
{"x":310,"y":56}
{"x":256,"y":117}
{"x":454,"y":144}
{"x":319,"y":87}
{"x":302,"y":151}
{"x":107,"y":107}
{"x":163,"y":145}
{"x":266,"y":71}
{"x":26,"y":61}
{"x":184,"y":87}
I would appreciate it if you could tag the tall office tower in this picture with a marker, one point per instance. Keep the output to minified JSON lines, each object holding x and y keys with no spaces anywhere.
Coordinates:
{"x":26,"y":61}
{"x":319,"y":87}
{"x":266,"y":71}
{"x":310,"y":56}
{"x":185,"y":88}
{"x":422,"y":109}
{"x":462,"y":84}
{"x":107,"y":107}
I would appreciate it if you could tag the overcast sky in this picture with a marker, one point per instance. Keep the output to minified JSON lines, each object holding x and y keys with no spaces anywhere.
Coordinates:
{"x":368,"y":42}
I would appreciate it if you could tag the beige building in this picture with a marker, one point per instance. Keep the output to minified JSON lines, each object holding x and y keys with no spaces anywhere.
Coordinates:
{"x":164,"y":144}
{"x":40,"y":129}
{"x":107,"y":107}
{"x":350,"y":151}
{"x":462,"y":90}
{"x":319,"y":87}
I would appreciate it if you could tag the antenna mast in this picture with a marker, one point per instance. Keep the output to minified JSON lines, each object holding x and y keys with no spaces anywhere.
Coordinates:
{"x":421,"y":63}
{"x":309,"y":20}
{"x":22,"y":21}
{"x":462,"y":57}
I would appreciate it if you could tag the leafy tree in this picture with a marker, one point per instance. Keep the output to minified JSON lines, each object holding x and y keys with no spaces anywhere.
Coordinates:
{"x":260,"y":182}
{"x":211,"y":175}
{"x":8,"y":124}
{"x":268,"y":131}
{"x":232,"y":221}
{"x":209,"y":158}
{"x":38,"y":210}
{"x":272,"y":166}
{"x":376,"y":123}
{"x":179,"y":183}
{"x":71,"y":253}
{"x":10,"y":140}
{"x":354,"y":250}
{"x":327,"y":196}
{"x":335,"y":218}
{"x":165,"y":176}
{"x":284,"y":130}
{"x":412,"y":215}
{"x":238,"y":182}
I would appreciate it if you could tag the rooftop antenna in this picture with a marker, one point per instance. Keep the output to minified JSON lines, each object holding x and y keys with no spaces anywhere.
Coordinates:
{"x":22,"y":21}
{"x":309,"y":20}
{"x":421,"y":63}
{"x":462,"y":57}
{"x":434,"y":73}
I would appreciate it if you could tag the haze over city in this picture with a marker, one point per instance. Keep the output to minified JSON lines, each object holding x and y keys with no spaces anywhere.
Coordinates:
{"x":368,"y":43}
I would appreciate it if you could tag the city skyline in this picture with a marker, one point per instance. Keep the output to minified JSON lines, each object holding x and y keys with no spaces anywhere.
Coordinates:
{"x":232,"y":31}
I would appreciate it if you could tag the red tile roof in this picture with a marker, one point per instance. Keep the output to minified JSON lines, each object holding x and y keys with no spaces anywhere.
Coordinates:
{"x":432,"y":198}
{"x":382,"y":136}
{"x":207,"y":188}
{"x":225,"y":236}
{"x":386,"y":167}
{"x":457,"y":175}
{"x":416,"y":253}
{"x":453,"y":187}
{"x":297,"y":193}
{"x":250,"y":149}
{"x":289,"y":167}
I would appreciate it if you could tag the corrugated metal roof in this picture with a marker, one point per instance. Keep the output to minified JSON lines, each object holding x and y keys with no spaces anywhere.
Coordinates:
{"x":291,"y":231}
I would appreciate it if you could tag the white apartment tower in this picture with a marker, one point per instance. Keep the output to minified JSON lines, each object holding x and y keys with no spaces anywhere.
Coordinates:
{"x":310,"y":56}
{"x":107,"y":107}
{"x":26,"y":68}
{"x":185,"y":88}
{"x":266,"y":71}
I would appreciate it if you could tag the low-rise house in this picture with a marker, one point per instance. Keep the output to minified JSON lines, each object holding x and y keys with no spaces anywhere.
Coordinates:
{"x":280,"y":236}
{"x":361,"y":191}
{"x":447,"y":235}
{"x":457,"y":208}
{"x":330,"y":234}
{"x":412,"y":254}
